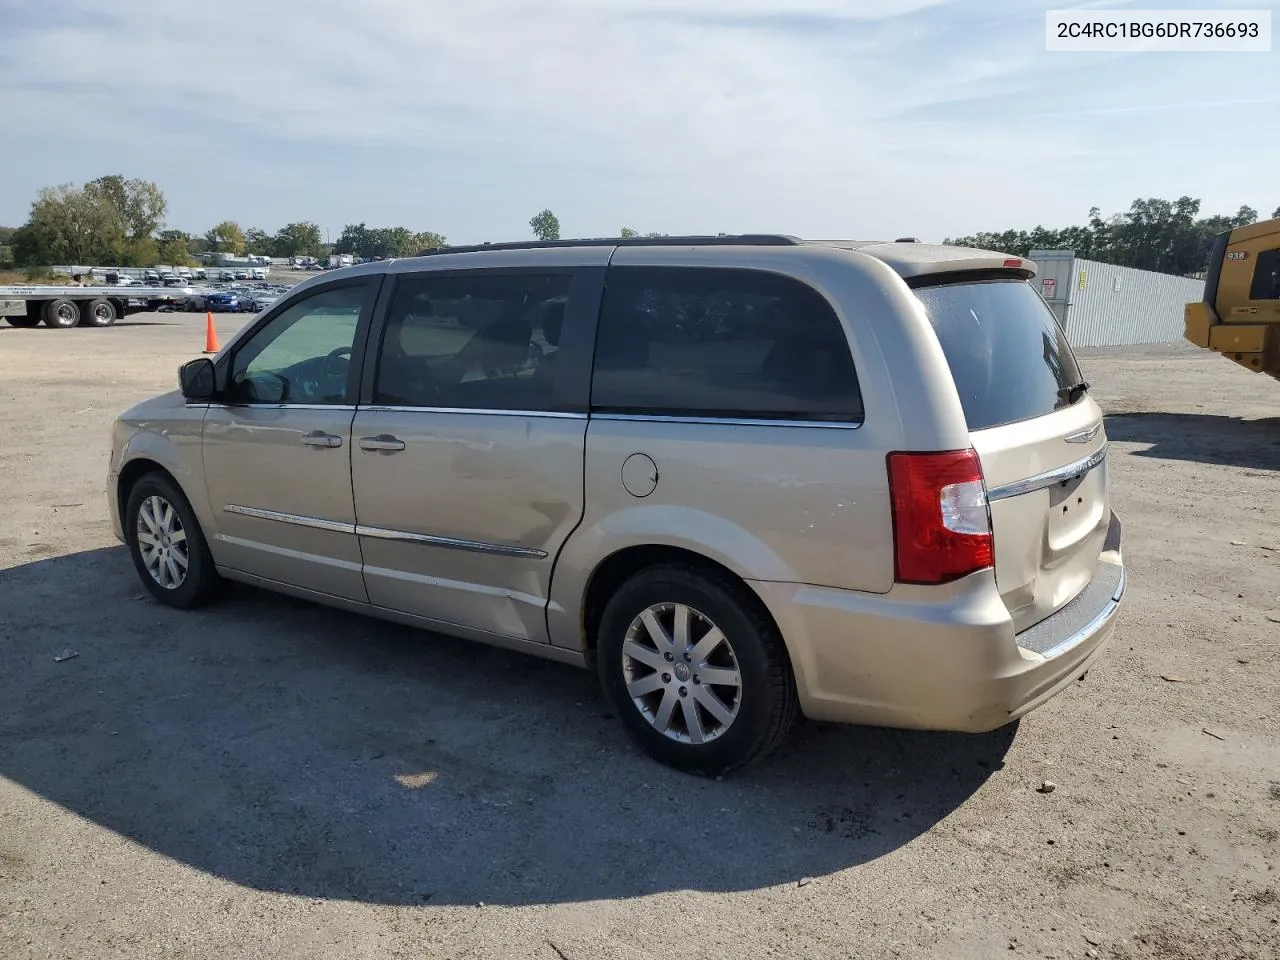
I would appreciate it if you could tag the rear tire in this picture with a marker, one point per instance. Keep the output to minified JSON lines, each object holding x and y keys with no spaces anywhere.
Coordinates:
{"x":100,"y":313}
{"x":61,"y":314}
{"x":168,"y":548}
{"x":23,"y":322}
{"x":706,"y":705}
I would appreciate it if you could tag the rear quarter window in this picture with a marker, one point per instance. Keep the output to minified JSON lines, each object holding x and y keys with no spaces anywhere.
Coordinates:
{"x":1009,"y":358}
{"x":721,"y":343}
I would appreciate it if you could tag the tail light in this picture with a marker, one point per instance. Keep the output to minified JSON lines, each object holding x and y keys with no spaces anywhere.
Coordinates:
{"x":941,"y":519}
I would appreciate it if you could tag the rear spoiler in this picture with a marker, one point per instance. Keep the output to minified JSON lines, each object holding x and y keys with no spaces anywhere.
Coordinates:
{"x":968,"y":276}
{"x":915,"y":262}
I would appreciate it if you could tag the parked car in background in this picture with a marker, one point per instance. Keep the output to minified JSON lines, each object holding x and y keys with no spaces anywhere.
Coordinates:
{"x":222,"y":301}
{"x":255,"y":301}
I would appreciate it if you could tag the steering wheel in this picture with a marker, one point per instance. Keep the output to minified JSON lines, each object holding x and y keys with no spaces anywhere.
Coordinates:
{"x":331,"y":370}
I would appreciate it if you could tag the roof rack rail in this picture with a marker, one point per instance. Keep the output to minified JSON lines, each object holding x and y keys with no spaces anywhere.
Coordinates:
{"x":724,"y":239}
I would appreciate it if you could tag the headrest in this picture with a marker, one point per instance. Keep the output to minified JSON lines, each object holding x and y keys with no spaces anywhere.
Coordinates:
{"x":552,"y":322}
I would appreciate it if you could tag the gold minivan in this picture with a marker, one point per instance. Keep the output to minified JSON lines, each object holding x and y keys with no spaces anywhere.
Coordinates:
{"x":739,"y":476}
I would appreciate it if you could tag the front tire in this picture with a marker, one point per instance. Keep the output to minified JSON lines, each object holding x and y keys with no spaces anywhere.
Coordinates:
{"x":168,"y":548}
{"x":696,"y":669}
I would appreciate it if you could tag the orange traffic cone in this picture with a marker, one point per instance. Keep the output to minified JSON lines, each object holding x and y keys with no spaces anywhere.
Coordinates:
{"x":210,"y":334}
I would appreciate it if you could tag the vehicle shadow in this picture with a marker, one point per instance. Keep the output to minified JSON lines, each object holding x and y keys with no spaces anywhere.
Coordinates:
{"x":288,"y":747}
{"x":1199,"y":437}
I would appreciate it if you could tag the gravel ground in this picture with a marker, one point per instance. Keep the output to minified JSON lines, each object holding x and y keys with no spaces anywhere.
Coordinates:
{"x":270,"y":778}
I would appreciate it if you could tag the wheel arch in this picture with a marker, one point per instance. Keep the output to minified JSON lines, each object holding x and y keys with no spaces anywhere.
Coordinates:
{"x":623,"y":564}
{"x":133,"y":471}
{"x":623,"y":541}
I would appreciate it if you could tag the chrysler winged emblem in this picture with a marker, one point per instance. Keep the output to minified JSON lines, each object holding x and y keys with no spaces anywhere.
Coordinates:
{"x":1084,"y":436}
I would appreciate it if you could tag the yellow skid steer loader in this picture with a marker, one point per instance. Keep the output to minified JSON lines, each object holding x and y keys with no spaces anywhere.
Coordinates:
{"x":1240,"y":314}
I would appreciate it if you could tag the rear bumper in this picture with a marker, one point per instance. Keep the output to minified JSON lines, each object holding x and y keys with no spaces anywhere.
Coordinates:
{"x":940,"y":658}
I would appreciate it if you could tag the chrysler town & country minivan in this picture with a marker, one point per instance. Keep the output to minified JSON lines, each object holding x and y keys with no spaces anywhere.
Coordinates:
{"x":741,"y":477}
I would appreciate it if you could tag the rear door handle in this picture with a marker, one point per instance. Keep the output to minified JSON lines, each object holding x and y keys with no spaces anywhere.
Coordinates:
{"x":318,"y":438}
{"x":383,"y":442}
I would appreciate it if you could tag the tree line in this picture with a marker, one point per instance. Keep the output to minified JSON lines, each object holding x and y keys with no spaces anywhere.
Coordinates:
{"x":118,"y":221}
{"x":1160,"y":235}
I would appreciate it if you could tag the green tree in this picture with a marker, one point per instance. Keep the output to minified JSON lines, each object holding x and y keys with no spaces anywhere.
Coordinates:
{"x":545,"y":226}
{"x":139,"y":204}
{"x":396,"y":242}
{"x":427,"y":240}
{"x":69,"y":225}
{"x":364,"y":241}
{"x":226,"y":237}
{"x":139,"y":252}
{"x":627,"y":233}
{"x":259,"y":243}
{"x":1275,"y":214}
{"x":354,"y":240}
{"x":6,"y":245}
{"x":172,"y":247}
{"x":1167,"y":236}
{"x":298,"y":240}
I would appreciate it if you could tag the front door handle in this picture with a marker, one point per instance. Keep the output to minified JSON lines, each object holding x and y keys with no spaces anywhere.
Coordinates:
{"x":318,"y":438}
{"x":383,"y":442}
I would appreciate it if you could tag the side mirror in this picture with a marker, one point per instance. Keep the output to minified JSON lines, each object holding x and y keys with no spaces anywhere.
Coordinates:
{"x":196,"y":379}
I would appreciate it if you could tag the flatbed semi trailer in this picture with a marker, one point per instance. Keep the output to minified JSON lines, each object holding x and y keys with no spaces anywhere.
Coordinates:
{"x":64,"y":307}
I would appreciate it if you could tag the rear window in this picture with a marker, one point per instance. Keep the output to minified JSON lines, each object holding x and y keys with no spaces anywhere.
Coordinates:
{"x":1009,"y":358}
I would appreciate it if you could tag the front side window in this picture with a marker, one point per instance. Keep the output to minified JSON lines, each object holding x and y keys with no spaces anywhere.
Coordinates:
{"x":484,"y":341}
{"x":1266,"y":276}
{"x":721,"y":343}
{"x":303,"y":354}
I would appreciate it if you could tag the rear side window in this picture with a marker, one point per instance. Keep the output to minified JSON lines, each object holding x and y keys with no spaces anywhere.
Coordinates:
{"x":706,"y":342}
{"x":485,"y":341}
{"x":1009,"y":358}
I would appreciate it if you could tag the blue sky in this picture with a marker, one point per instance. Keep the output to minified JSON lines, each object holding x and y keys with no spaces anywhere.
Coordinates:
{"x":822,"y":118}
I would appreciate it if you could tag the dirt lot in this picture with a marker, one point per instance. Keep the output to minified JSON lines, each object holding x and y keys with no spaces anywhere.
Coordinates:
{"x":269,"y":778}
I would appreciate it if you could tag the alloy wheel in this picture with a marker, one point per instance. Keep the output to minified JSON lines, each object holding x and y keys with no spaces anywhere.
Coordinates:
{"x":162,"y":542}
{"x":681,"y":673}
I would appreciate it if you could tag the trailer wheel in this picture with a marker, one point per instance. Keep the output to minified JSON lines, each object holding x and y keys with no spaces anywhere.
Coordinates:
{"x":100,"y":313}
{"x":61,"y":314}
{"x":22,"y":321}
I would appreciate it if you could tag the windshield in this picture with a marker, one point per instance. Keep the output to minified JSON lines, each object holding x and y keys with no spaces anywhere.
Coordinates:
{"x":1009,"y":358}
